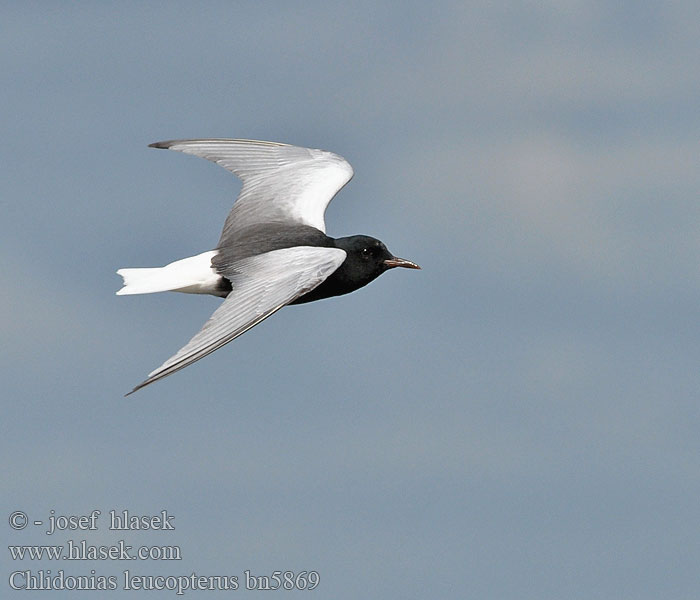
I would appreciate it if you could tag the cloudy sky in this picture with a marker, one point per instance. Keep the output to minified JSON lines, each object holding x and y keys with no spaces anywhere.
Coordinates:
{"x":517,"y":420}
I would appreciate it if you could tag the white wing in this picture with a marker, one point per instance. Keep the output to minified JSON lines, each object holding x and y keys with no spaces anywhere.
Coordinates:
{"x":262,"y":284}
{"x":281,"y":183}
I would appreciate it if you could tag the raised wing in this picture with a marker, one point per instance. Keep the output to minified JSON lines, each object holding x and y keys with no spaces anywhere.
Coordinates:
{"x":262,"y":284}
{"x":281,"y":183}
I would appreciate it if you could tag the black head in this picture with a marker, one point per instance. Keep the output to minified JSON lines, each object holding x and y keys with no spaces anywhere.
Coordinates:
{"x":368,"y":258}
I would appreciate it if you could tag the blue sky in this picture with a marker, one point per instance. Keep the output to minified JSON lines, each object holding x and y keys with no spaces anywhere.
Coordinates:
{"x":517,"y":420}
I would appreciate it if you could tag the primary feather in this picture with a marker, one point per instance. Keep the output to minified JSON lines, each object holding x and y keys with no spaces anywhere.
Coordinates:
{"x":261,"y":286}
{"x":280,"y":182}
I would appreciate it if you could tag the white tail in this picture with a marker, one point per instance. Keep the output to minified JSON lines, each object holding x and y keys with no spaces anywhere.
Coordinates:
{"x":193,"y":275}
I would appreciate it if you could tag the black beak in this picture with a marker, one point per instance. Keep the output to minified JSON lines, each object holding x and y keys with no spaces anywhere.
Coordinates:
{"x":400,"y":262}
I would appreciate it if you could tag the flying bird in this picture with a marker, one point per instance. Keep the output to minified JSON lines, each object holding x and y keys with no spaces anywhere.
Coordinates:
{"x":273,"y":249}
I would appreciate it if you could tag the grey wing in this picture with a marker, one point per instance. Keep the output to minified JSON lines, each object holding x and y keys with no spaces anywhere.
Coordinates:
{"x":262,"y":284}
{"x":280,"y":182}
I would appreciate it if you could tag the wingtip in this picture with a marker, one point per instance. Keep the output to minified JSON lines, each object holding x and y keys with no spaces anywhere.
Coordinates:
{"x":167,"y":144}
{"x":163,"y":145}
{"x":136,"y":389}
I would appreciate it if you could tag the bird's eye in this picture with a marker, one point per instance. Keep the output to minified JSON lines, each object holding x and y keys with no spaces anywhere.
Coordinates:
{"x":366,"y":252}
